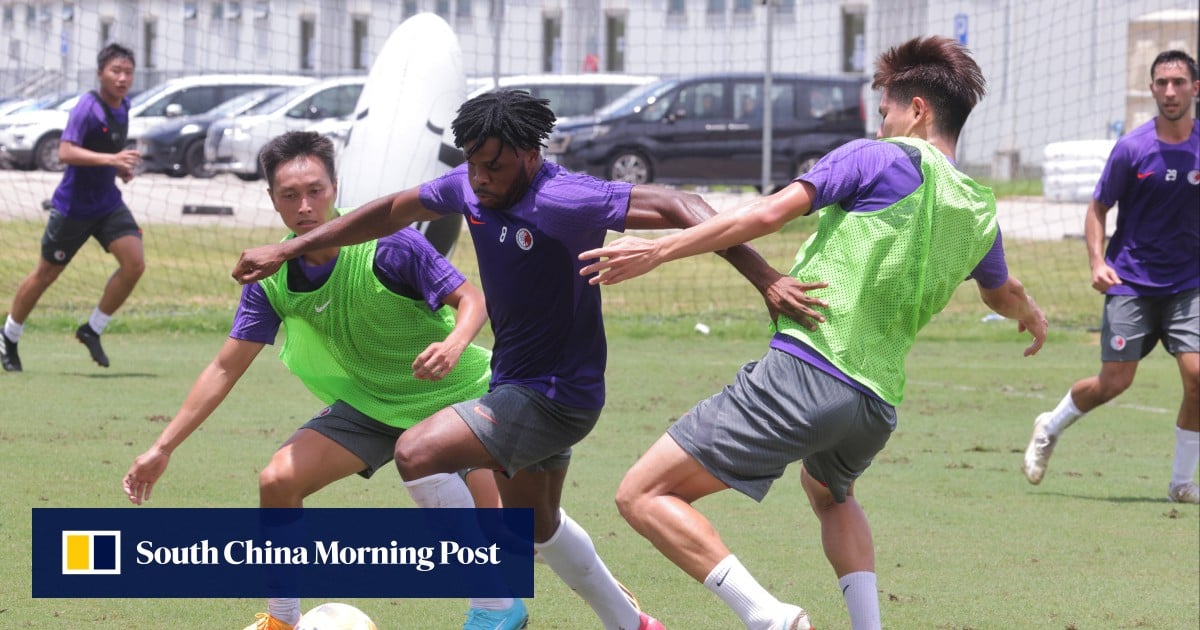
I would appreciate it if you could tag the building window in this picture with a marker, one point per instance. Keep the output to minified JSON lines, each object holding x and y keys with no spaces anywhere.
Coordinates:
{"x":786,"y":6}
{"x":8,"y":16}
{"x":716,"y":6}
{"x":854,"y":39}
{"x":409,"y":9}
{"x":462,"y":8}
{"x":149,"y":43}
{"x":30,"y":14}
{"x":234,"y":12}
{"x":442,"y":8}
{"x":676,"y":7}
{"x":742,"y":6}
{"x":262,"y":9}
{"x":614,"y":46}
{"x":218,"y":10}
{"x":308,"y":34}
{"x":68,"y":11}
{"x":359,"y":46}
{"x":105,"y":31}
{"x":190,"y":11}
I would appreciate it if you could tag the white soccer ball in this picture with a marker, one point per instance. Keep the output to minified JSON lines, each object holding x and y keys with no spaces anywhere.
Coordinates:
{"x":335,"y":616}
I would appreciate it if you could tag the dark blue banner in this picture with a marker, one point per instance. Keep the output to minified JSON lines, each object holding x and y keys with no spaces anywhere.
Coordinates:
{"x":310,"y":552}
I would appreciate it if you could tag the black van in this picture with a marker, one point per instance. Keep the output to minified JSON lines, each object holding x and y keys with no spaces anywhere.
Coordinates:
{"x":707,"y":129}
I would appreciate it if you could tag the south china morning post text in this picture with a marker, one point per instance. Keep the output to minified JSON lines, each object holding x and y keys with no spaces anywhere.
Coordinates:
{"x":311,"y":552}
{"x":333,"y":552}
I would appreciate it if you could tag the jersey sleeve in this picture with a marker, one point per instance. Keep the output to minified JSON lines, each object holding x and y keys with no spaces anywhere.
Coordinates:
{"x":407,"y":259}
{"x":863,"y":176}
{"x":1115,"y":176}
{"x":255,"y":320}
{"x":577,"y":204}
{"x":992,"y":270}
{"x":446,"y":194}
{"x":80,"y":120}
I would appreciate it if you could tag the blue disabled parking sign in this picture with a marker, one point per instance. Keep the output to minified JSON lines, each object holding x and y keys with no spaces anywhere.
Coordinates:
{"x":960,"y":28}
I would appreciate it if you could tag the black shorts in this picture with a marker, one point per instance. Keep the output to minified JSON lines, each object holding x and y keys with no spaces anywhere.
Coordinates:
{"x":64,"y":236}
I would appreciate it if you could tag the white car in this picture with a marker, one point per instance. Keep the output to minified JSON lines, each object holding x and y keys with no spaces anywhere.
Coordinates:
{"x":32,"y":139}
{"x":233,"y":144}
{"x":29,"y":137}
{"x":571,"y":95}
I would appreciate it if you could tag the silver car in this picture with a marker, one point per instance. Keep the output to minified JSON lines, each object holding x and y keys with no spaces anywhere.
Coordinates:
{"x":233,"y":144}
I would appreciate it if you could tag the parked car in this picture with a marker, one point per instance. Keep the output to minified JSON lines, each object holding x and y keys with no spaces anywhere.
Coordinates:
{"x":176,"y":147}
{"x":233,"y":143}
{"x":571,"y":95}
{"x":708,"y":129}
{"x":36,"y":142}
{"x":29,"y":136}
{"x":189,"y":96}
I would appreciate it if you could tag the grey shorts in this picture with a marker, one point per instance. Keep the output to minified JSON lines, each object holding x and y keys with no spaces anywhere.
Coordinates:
{"x":367,"y":438}
{"x":64,"y":236}
{"x":1134,"y":324}
{"x":522,"y":429}
{"x":777,"y":411}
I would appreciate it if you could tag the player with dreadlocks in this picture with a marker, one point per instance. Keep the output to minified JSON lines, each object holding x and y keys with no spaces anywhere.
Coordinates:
{"x":529,"y":220}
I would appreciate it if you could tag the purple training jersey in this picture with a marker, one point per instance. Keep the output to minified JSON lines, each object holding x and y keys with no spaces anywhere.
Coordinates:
{"x":404,"y":261}
{"x":546,"y":319}
{"x":1155,"y":185}
{"x":88,"y":192}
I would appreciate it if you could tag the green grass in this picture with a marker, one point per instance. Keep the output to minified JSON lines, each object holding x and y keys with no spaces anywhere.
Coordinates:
{"x":962,"y":540}
{"x":187,"y":284}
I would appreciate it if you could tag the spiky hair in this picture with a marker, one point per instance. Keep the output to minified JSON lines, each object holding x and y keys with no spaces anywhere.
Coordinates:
{"x":519,"y":119}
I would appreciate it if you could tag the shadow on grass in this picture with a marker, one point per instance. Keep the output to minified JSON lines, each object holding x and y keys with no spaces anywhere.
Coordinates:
{"x":113,"y":375}
{"x":1141,"y":499}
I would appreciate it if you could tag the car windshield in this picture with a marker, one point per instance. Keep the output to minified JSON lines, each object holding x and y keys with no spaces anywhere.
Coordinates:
{"x":143,"y":97}
{"x":244,"y":102}
{"x":634,"y":100}
{"x":278,"y":101}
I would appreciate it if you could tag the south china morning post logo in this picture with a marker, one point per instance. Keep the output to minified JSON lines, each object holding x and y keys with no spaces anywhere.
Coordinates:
{"x":91,"y":552}
{"x":314,"y":552}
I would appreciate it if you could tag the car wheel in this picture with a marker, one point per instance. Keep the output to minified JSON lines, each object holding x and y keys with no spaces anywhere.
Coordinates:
{"x":630,"y":166}
{"x":248,"y":177}
{"x":193,"y":161}
{"x":45,"y":153}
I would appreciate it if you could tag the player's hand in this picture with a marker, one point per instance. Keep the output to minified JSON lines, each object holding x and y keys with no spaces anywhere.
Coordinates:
{"x":1104,"y":277}
{"x":788,"y":296}
{"x":126,"y":160}
{"x":258,"y":263}
{"x":1037,"y":326}
{"x":142,"y":475}
{"x":624,"y":259}
{"x":436,"y":361}
{"x":125,"y":174}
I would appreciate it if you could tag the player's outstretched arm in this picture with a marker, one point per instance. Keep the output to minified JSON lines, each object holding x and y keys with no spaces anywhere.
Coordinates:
{"x":439,"y":359}
{"x":1011,"y":301}
{"x":372,"y":220}
{"x":210,"y":388}
{"x":653,"y":207}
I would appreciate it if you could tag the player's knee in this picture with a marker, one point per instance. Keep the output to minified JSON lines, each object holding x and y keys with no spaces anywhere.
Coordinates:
{"x":274,"y":483}
{"x":409,"y":460}
{"x":133,"y":269}
{"x":1114,"y":385}
{"x":630,"y":500}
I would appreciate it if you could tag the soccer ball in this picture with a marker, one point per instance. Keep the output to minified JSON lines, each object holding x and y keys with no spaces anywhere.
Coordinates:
{"x":335,"y":616}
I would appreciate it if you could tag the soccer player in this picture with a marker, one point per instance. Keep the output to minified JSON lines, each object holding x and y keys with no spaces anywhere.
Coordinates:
{"x":529,"y":219}
{"x":370,"y":331}
{"x":900,"y":228}
{"x":1150,"y":272}
{"x":87,"y":203}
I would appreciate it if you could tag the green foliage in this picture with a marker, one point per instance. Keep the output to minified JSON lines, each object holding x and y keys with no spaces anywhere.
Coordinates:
{"x":962,"y":540}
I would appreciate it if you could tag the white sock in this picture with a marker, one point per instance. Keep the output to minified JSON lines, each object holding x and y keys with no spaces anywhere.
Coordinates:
{"x":1063,"y":416}
{"x":739,"y":590}
{"x":1187,"y":455}
{"x":98,"y":321}
{"x":572,"y":555}
{"x":285,"y":609}
{"x":448,"y":490}
{"x":12,"y":329}
{"x":862,"y":599}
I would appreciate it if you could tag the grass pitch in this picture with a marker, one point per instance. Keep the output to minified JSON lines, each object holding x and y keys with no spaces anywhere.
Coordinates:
{"x":962,"y":540}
